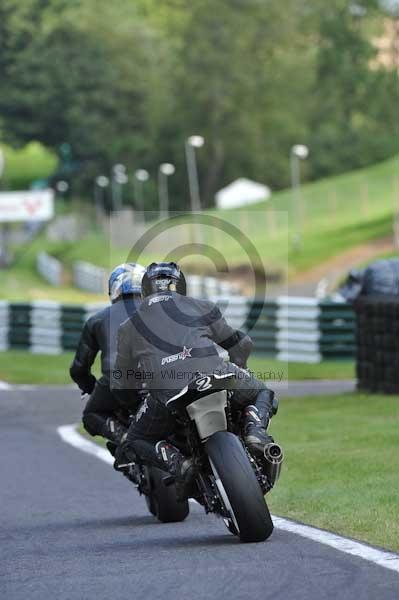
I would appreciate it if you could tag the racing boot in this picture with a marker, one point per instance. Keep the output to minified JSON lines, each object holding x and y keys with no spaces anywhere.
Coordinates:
{"x":125,"y":459}
{"x":114,"y":431}
{"x":256,"y":419}
{"x":180,"y":467}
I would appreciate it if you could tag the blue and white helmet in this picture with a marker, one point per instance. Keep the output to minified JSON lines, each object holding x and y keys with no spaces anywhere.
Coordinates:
{"x":124,"y":280}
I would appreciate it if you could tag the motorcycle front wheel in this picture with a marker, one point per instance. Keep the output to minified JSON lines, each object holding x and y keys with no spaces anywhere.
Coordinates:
{"x":238,"y":488}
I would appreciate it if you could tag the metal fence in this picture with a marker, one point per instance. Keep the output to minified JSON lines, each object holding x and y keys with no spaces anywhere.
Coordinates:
{"x":287,"y":328}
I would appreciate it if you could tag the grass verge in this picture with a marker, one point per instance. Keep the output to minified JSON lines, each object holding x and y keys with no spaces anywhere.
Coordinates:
{"x":22,"y":282}
{"x":341,"y":467}
{"x":19,"y":366}
{"x":271,"y":370}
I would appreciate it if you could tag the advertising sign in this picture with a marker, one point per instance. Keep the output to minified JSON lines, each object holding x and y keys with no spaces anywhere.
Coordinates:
{"x":37,"y":205}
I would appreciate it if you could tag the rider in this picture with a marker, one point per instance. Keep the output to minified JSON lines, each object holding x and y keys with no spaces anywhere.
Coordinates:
{"x":99,"y":335}
{"x":170,"y":339}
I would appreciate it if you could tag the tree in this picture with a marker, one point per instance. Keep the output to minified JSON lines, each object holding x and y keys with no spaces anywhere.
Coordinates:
{"x":71,"y":79}
{"x":347,"y":129}
{"x":242,"y":84}
{"x":130,"y":81}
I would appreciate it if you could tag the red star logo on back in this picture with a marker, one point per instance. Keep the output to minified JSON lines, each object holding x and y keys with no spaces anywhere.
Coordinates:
{"x":185,"y":353}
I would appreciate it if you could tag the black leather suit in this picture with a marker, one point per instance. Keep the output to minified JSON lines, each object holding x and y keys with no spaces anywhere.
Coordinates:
{"x":166,"y":342}
{"x":100,"y":334}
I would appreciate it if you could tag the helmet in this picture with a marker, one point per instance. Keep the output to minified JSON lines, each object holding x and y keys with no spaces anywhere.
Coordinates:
{"x":163,"y":277}
{"x":124,"y":280}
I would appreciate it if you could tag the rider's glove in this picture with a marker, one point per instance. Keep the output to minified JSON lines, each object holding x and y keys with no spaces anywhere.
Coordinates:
{"x":87,"y":386}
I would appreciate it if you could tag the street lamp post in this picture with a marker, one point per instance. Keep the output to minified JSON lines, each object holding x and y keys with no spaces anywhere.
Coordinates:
{"x":62,"y":188}
{"x":298,"y":152}
{"x":164,"y":171}
{"x":3,"y":230}
{"x":2,"y":162}
{"x":119,"y":178}
{"x":140,"y":177}
{"x":194,"y":141}
{"x":101,"y":182}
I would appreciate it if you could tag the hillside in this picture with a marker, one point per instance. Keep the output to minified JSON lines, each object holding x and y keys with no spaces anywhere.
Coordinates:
{"x":340,"y":214}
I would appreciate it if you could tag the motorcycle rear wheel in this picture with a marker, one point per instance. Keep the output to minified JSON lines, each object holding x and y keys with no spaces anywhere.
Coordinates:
{"x":238,"y":488}
{"x":162,"y":501}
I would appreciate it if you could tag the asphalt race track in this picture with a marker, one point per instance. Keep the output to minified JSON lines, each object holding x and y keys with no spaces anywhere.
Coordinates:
{"x":73,"y":529}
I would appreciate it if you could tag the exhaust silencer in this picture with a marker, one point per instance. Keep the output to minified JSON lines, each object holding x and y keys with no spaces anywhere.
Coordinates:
{"x":274,"y":457}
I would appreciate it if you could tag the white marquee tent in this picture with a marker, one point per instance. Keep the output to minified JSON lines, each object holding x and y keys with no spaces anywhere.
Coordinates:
{"x":240,"y":193}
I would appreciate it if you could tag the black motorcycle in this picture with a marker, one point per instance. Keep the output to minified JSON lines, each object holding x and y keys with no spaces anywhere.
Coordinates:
{"x":159,"y":491}
{"x":229,"y":481}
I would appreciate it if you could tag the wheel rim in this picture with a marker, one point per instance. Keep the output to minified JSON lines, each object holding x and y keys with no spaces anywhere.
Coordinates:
{"x":230,"y":525}
{"x":224,"y":496}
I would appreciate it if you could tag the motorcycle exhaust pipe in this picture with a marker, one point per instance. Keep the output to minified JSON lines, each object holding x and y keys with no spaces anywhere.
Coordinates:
{"x":274,"y":457}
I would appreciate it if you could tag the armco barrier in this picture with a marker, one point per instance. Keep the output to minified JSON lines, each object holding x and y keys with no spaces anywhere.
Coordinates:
{"x":287,"y":328}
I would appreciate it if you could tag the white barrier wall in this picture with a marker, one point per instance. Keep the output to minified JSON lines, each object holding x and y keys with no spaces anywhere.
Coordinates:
{"x":4,"y":325}
{"x":50,"y":268}
{"x":298,"y":334}
{"x":91,"y":278}
{"x":209,"y":287}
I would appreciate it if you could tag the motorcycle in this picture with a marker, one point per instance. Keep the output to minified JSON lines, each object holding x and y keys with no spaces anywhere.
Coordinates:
{"x":160,"y":494}
{"x":229,"y":481}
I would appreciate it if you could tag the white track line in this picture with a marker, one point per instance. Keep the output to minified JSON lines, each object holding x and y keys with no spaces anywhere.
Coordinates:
{"x":69,"y":435}
{"x":388,"y":560}
{"x":4,"y":385}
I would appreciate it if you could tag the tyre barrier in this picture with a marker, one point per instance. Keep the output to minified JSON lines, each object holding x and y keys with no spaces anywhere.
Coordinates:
{"x":287,"y":328}
{"x":377,"y":349}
